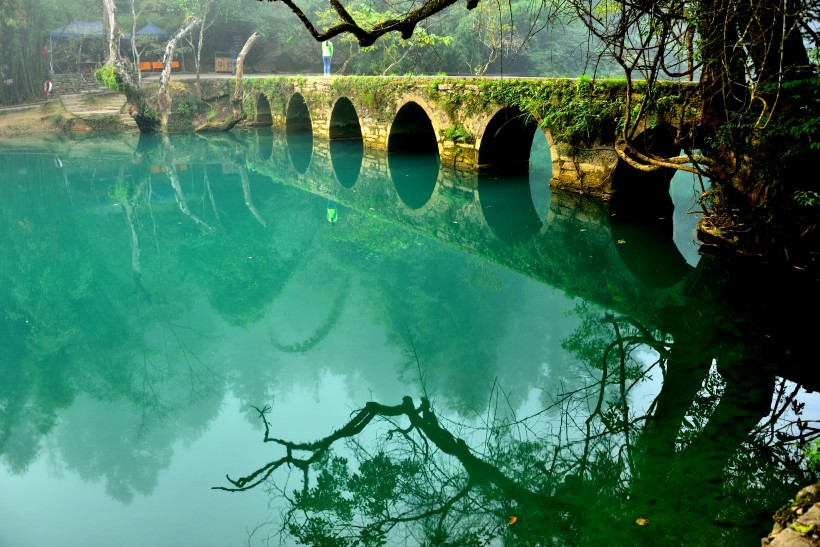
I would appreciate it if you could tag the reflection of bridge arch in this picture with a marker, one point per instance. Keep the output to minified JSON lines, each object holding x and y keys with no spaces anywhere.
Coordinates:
{"x":456,"y":212}
{"x":507,"y":206}
{"x":264,"y":143}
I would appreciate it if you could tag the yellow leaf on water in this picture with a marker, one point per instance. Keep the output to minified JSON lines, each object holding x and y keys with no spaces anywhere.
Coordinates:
{"x":642,"y":521}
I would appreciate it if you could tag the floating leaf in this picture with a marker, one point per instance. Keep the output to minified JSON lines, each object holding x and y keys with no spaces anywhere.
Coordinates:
{"x":513,"y":519}
{"x":642,"y":521}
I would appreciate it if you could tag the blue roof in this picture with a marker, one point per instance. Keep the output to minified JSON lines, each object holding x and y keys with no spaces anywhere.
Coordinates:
{"x":152,"y":30}
{"x":94,"y":29}
{"x":79,"y":29}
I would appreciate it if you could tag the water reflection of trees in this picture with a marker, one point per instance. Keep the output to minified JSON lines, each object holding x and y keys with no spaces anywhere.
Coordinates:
{"x":602,"y":466}
{"x":701,"y":463}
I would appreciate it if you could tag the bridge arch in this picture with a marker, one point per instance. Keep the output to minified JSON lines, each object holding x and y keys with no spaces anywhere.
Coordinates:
{"x":412,"y":147}
{"x":644,"y":195}
{"x":346,"y":144}
{"x":412,"y":129}
{"x":297,"y":116}
{"x":262,"y":114}
{"x":642,"y":209}
{"x":344,"y":120}
{"x":299,"y":133}
{"x":506,"y":140}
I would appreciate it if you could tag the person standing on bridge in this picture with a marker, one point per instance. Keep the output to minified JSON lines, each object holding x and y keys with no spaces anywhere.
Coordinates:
{"x":327,"y":53}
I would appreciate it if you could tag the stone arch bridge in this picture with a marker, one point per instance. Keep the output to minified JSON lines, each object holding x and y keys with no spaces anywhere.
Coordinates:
{"x":475,"y":124}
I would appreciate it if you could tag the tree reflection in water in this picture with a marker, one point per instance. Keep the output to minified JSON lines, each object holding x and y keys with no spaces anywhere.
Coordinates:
{"x":107,"y":285}
{"x":697,"y":465}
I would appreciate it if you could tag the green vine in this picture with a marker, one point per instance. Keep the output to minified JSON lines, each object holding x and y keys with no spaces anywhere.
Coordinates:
{"x":107,"y":75}
{"x":459,"y":134}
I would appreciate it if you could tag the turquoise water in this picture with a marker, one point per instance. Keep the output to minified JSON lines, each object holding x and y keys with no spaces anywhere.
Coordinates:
{"x":156,"y":290}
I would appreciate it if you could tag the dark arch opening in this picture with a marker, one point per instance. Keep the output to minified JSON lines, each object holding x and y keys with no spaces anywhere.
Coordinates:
{"x":346,"y":145}
{"x":505,"y":146}
{"x":344,"y":121}
{"x":412,"y":131}
{"x":413,"y":155}
{"x":299,"y":133}
{"x":263,"y":114}
{"x":297,"y":119}
{"x":641,"y":215}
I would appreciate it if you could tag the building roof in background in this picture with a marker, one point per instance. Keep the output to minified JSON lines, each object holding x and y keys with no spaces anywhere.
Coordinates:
{"x":79,"y":29}
{"x":94,"y":29}
{"x":152,"y":30}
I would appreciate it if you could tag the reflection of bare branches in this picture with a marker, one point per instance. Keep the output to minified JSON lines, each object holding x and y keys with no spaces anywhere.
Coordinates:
{"x":591,"y":471}
{"x":413,"y":354}
{"x":776,"y":429}
{"x":260,"y":526}
{"x":173,"y":178}
{"x":246,"y":191}
{"x":160,"y":391}
{"x":409,"y":484}
{"x":615,"y":415}
{"x":421,"y":418}
{"x":210,"y":193}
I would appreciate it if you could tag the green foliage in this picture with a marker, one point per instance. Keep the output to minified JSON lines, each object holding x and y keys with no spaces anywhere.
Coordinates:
{"x":811,"y":452}
{"x":119,"y":192}
{"x":340,"y":499}
{"x":775,"y":140}
{"x":575,"y":112}
{"x":807,"y":198}
{"x":458,"y":133}
{"x":107,"y":75}
{"x":376,"y":93}
{"x":186,"y":105}
{"x":391,"y":55}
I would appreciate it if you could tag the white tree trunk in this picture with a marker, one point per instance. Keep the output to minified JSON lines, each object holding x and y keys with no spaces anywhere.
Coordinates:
{"x":164,"y":95}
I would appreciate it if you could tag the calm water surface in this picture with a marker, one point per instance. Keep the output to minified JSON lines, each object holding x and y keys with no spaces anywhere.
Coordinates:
{"x":610,"y":384}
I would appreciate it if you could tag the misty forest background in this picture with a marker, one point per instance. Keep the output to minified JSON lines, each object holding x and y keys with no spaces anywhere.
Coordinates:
{"x":520,"y":38}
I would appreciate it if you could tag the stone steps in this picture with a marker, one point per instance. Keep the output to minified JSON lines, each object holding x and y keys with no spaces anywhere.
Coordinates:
{"x":93,"y":104}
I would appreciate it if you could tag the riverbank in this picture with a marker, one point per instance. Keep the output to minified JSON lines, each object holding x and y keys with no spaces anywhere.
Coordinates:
{"x":37,"y":118}
{"x":61,"y":115}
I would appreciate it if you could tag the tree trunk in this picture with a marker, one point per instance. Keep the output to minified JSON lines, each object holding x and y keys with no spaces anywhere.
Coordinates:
{"x":164,"y":94}
{"x":723,"y":78}
{"x":236,"y":100}
{"x":113,"y":34}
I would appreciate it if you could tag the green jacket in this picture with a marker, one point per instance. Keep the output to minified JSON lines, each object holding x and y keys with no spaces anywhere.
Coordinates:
{"x":327,"y":49}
